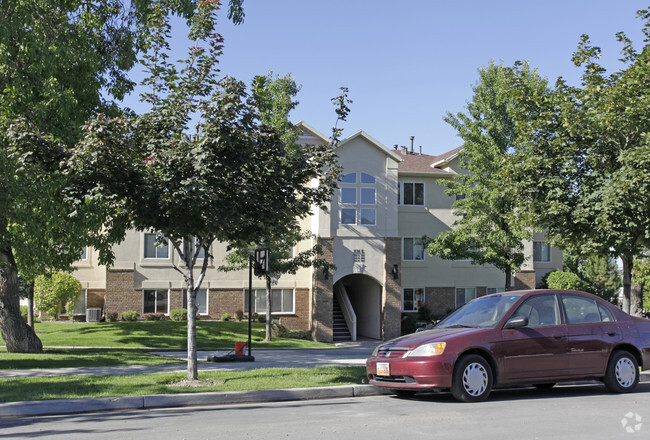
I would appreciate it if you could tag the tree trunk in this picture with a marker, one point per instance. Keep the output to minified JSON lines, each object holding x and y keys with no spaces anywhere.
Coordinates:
{"x":508,"y":278}
{"x":18,"y":336}
{"x":269,"y":323}
{"x":628,"y":262}
{"x":30,"y":304}
{"x":192,"y":364}
{"x":636,"y":300}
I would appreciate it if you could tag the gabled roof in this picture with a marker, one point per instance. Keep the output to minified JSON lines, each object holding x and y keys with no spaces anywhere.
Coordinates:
{"x":374,"y":142}
{"x":417,"y":163}
{"x":308,"y":130}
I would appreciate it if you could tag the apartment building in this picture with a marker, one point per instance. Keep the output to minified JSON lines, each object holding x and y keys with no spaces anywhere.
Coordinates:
{"x":387,"y":200}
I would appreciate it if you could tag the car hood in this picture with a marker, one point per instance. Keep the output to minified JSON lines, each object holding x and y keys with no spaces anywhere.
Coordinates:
{"x":434,"y":335}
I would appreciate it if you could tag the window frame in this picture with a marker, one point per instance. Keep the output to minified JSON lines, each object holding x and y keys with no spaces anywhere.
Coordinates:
{"x":543,"y":245}
{"x":364,"y":210}
{"x":475,"y":295}
{"x":262,"y":293}
{"x":414,"y":299}
{"x":207,"y":300}
{"x":402,"y":193}
{"x":404,"y":247}
{"x":156,"y":257}
{"x":161,"y":290}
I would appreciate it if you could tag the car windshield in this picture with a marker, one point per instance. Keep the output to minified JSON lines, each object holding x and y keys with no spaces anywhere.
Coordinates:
{"x":482,"y":312}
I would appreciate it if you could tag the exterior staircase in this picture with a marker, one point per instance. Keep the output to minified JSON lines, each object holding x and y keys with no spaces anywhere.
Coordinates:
{"x":341,"y":331}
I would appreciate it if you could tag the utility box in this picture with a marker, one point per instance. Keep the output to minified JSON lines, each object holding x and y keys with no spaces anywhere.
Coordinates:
{"x":93,"y":315}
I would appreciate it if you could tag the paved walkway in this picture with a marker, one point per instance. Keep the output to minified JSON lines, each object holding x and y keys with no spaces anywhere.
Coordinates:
{"x":344,"y":354}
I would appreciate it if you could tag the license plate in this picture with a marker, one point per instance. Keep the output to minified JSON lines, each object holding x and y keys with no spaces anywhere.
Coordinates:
{"x":383,"y":369}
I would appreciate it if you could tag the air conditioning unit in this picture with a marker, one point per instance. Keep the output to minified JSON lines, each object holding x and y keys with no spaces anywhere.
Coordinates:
{"x":93,"y":315}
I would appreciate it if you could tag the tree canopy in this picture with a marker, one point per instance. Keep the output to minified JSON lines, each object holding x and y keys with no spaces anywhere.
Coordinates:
{"x":486,"y":230}
{"x":582,"y":167}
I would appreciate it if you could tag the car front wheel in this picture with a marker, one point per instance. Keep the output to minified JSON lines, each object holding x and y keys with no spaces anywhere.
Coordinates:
{"x":472,"y":380}
{"x":622,"y":375}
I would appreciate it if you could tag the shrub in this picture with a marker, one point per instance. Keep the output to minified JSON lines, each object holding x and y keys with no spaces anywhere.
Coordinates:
{"x":239,"y":315}
{"x":23,"y":312}
{"x":130,"y":315}
{"x":282,"y":332}
{"x":409,"y":324}
{"x":225,"y":317}
{"x":565,"y":281}
{"x":178,"y":315}
{"x":54,"y":291}
{"x":111,"y":316}
{"x":154,"y":316}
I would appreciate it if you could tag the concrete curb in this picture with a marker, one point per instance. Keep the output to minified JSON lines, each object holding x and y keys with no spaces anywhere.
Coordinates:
{"x":76,"y":406}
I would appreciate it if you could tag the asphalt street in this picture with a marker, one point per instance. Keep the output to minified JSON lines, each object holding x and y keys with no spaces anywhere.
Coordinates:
{"x":565,"y":412}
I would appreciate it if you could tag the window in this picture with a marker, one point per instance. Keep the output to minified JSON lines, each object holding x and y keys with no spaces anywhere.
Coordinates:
{"x":155,"y":301}
{"x":413,"y":249}
{"x":80,"y":303}
{"x":357,"y":195}
{"x":491,"y":290}
{"x":580,"y":310}
{"x":154,"y":250}
{"x":541,"y":252}
{"x":201,"y":250}
{"x":464,"y":295}
{"x":201,"y":301}
{"x":412,"y":193}
{"x":281,"y":300}
{"x":541,"y":311}
{"x":412,"y":299}
{"x":84,"y":254}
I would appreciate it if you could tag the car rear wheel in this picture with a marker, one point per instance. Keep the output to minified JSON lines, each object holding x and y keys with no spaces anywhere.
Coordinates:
{"x":622,"y":375}
{"x":472,"y":380}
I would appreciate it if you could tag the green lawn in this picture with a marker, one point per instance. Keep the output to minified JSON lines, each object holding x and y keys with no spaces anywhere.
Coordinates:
{"x":65,"y":358}
{"x":158,"y":334}
{"x":73,"y":387}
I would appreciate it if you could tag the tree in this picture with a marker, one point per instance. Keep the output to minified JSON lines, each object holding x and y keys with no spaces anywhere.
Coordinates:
{"x":54,"y":292}
{"x":231,"y":180}
{"x":582,"y":167}
{"x":565,"y":281}
{"x":486,"y":230}
{"x":60,"y":63}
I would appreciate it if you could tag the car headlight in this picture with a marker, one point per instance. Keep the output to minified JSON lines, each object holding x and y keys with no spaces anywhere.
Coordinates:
{"x":432,"y":349}
{"x":374,"y":353}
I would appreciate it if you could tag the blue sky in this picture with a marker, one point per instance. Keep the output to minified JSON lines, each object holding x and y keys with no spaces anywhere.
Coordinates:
{"x":407,"y":63}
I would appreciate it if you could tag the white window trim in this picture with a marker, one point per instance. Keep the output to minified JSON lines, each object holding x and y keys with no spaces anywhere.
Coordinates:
{"x":207,"y":299}
{"x":550,"y":252}
{"x":263,"y":290}
{"x":466,"y":300}
{"x":358,"y":206}
{"x":156,"y":300}
{"x":424,"y":297}
{"x":424,"y":253}
{"x":402,"y":192}
{"x":143,"y":244}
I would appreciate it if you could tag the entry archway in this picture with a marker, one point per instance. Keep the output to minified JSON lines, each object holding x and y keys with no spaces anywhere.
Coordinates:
{"x":364,"y":293}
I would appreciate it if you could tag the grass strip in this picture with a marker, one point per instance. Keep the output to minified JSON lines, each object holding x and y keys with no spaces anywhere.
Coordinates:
{"x":158,"y":334}
{"x":69,"y":358}
{"x":74,"y":387}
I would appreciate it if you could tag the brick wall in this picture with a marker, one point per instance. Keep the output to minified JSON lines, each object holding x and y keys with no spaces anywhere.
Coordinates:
{"x":440,"y":300}
{"x":120,"y":292}
{"x":524,"y":280}
{"x":322,"y":320}
{"x":392,"y":301}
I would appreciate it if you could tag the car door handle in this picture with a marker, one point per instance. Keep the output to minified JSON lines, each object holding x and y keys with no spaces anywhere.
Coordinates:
{"x":559,"y":337}
{"x":611,"y":333}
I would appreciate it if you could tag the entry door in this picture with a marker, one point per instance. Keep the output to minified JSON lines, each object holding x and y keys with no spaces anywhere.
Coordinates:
{"x":539,"y":350}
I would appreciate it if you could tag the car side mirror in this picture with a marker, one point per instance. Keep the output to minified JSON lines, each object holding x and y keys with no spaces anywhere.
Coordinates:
{"x":519,"y":321}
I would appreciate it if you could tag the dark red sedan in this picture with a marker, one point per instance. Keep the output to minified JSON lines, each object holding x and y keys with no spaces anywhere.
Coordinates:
{"x":532,"y":337}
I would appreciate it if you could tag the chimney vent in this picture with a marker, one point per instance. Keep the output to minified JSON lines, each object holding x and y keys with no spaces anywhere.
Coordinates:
{"x":395,"y":147}
{"x":420,"y":150}
{"x":403,"y":149}
{"x":412,"y":138}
